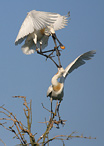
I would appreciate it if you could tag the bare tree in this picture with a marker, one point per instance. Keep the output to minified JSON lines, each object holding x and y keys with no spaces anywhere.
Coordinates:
{"x":21,"y":130}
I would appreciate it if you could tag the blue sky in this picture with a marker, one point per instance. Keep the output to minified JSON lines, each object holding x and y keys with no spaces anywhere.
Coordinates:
{"x":30,"y":76}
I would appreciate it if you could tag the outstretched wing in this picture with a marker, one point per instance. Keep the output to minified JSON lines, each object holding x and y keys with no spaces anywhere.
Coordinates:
{"x":35,"y":20}
{"x":80,"y":60}
{"x":60,"y":22}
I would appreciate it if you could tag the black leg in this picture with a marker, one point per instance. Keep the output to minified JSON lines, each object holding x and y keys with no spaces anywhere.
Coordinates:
{"x":62,"y":121}
{"x":57,"y":51}
{"x":60,"y":44}
{"x":36,"y":47}
{"x":58,"y":109}
{"x":51,"y":108}
{"x":48,"y":56}
{"x":40,"y":46}
{"x":45,"y":51}
{"x":48,"y":51}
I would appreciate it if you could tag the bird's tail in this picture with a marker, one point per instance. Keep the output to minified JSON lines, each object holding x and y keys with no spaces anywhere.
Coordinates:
{"x":28,"y":48}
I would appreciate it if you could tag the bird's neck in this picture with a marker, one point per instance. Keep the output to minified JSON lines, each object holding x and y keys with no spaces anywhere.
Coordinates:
{"x":57,"y":86}
{"x":54,"y":80}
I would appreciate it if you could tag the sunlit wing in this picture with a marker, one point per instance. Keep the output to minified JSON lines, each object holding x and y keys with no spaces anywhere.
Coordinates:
{"x":60,"y":22}
{"x":78,"y":62}
{"x":35,"y":20}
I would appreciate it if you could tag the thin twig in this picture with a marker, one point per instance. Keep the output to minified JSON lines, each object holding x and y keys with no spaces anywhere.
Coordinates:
{"x":67,"y":137}
{"x":47,"y":109}
{"x":49,"y":126}
{"x":2,"y":142}
{"x":29,"y":118}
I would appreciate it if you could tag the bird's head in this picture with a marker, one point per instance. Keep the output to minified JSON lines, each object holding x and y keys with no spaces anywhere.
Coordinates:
{"x":58,"y":75}
{"x":60,"y":72}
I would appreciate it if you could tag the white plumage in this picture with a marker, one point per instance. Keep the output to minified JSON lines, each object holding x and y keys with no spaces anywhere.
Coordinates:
{"x":36,"y":29}
{"x":56,"y":90}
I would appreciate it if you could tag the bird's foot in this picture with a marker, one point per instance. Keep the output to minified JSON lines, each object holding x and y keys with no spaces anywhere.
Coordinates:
{"x":60,"y":44}
{"x":62,"y":122}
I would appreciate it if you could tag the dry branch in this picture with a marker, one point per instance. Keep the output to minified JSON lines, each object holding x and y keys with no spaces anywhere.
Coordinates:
{"x":20,"y":130}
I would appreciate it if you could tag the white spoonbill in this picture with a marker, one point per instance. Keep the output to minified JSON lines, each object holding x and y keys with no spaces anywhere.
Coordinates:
{"x":56,"y":90}
{"x":36,"y":29}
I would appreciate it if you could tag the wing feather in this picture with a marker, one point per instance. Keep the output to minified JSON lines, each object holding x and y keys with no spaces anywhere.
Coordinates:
{"x":35,"y":20}
{"x":60,"y":22}
{"x":26,"y":28}
{"x":80,"y":60}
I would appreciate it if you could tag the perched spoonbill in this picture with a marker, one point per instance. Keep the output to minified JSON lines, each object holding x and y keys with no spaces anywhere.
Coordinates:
{"x":36,"y":29}
{"x":56,"y":90}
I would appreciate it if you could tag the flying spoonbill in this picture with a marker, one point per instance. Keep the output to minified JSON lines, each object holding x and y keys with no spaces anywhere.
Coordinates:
{"x":36,"y":29}
{"x":56,"y":90}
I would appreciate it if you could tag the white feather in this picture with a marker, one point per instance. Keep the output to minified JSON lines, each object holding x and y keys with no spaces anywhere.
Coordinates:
{"x":31,"y":28}
{"x":60,"y":22}
{"x":80,"y":60}
{"x":35,"y":20}
{"x":62,"y":74}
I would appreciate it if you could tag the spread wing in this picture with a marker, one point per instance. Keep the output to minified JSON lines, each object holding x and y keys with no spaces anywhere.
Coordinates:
{"x":35,"y":20}
{"x":80,"y":60}
{"x":61,"y":22}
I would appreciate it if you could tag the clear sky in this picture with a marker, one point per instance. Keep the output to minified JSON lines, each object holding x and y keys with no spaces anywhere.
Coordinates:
{"x":30,"y":76}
